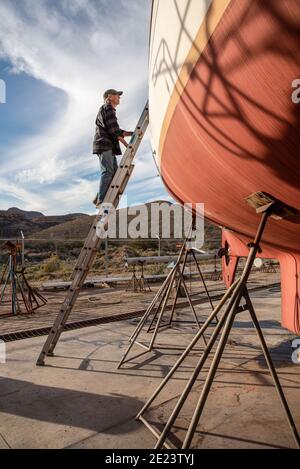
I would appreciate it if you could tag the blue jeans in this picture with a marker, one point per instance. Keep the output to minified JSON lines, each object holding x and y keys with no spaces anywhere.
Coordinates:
{"x":108,"y":166}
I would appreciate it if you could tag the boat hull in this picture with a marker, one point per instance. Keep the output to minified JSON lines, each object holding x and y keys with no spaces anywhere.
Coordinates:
{"x":223,"y":121}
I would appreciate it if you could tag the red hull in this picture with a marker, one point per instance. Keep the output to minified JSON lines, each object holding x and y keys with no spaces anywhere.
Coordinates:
{"x":235,"y":129}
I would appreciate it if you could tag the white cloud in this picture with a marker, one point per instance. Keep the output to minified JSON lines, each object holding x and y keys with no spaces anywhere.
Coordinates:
{"x":48,"y":171}
{"x":75,"y":195}
{"x":80,"y":47}
{"x":27,"y":198}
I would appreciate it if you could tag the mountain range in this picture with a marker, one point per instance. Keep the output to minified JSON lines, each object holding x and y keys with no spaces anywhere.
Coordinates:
{"x":14,"y":220}
{"x":76,"y":225}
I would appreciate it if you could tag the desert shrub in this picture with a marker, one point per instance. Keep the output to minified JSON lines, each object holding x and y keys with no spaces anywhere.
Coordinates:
{"x":73,"y":244}
{"x":156,"y":269}
{"x":52,"y":265}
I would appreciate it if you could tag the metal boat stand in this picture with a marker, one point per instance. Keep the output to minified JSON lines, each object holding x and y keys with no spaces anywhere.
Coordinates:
{"x":144,"y":285}
{"x":13,"y":278}
{"x":138,"y":284}
{"x":133,"y":284}
{"x":159,"y":305}
{"x":267,"y":206}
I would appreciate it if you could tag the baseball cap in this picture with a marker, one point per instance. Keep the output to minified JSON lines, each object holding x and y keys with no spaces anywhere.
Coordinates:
{"x":111,"y":91}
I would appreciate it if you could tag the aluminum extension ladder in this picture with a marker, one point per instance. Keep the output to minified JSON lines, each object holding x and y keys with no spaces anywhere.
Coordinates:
{"x":93,"y":240}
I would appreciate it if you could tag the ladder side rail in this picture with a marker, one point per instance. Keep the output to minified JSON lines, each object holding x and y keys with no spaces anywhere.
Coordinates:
{"x":63,"y":314}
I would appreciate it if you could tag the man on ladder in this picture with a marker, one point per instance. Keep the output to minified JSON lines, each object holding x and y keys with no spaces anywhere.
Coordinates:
{"x":106,"y":142}
{"x":114,"y":191}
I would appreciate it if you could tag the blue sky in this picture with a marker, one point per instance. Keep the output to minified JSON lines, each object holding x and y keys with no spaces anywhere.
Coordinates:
{"x":56,"y":58}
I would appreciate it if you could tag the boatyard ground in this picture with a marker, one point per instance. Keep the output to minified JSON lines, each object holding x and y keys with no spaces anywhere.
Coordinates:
{"x":79,"y":399}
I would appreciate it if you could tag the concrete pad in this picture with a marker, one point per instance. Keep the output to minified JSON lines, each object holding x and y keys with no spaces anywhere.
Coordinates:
{"x":81,"y":400}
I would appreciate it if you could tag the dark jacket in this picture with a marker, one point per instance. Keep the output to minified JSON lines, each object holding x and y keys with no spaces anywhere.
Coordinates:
{"x":107,"y":131}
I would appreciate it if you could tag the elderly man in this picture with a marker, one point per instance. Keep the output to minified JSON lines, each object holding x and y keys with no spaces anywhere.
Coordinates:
{"x":107,"y":141}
